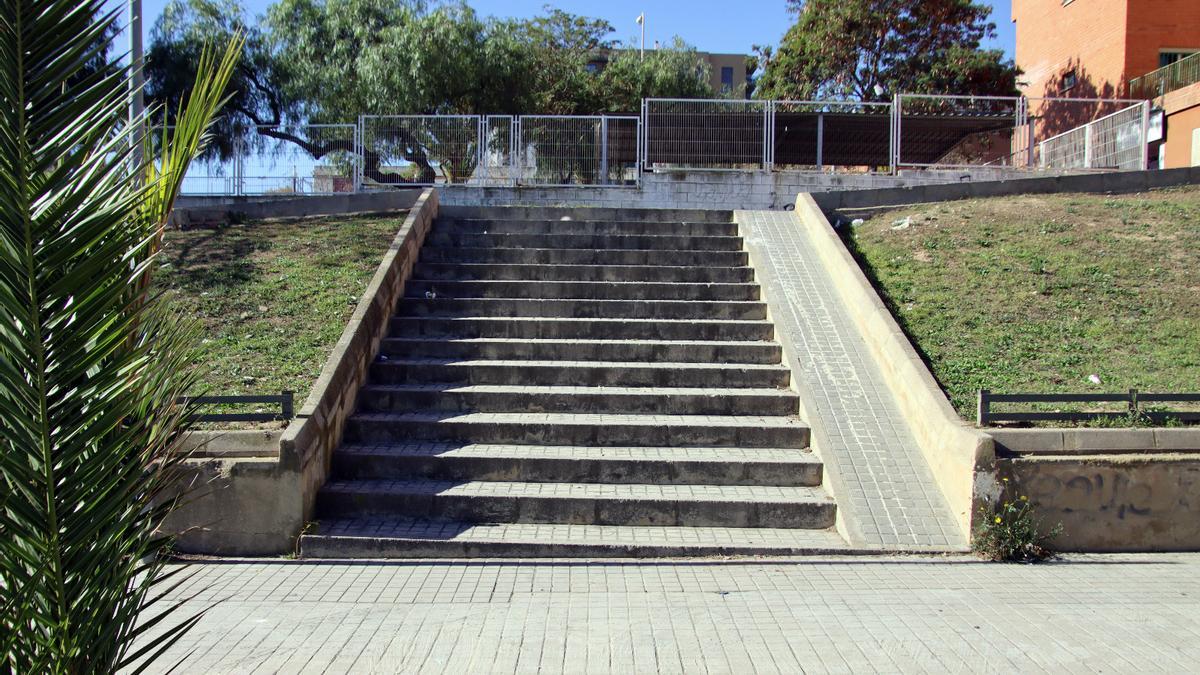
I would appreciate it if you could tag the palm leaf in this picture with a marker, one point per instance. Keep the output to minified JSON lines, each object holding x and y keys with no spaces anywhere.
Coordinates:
{"x":91,"y":366}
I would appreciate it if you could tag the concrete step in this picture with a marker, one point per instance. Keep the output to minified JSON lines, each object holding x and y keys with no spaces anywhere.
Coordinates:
{"x":581,"y":503}
{"x":579,"y":429}
{"x":583,"y":309}
{"x":625,"y":242}
{"x":579,"y":464}
{"x":535,"y":272}
{"x":392,"y":537}
{"x":579,"y":373}
{"x":681,"y":351}
{"x":551,"y":398}
{"x":544,"y":328}
{"x":585,"y":213}
{"x":582,"y":256}
{"x":499,"y":226}
{"x":582,"y":290}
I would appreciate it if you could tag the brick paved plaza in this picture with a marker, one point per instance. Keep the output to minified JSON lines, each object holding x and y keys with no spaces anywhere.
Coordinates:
{"x":1086,"y":613}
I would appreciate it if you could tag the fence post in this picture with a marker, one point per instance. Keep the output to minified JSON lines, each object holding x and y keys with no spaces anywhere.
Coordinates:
{"x":604,"y":149}
{"x":982,"y":407}
{"x":1133,"y":402}
{"x":820,"y":140}
{"x":645,"y":125}
{"x":288,"y":404}
{"x":894,"y":150}
{"x":768,"y":109}
{"x":1146,"y":135}
{"x":1087,"y":145}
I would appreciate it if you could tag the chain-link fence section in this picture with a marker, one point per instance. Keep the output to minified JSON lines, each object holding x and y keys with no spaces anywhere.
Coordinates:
{"x":705,"y":134}
{"x":577,"y":150}
{"x":400,"y":150}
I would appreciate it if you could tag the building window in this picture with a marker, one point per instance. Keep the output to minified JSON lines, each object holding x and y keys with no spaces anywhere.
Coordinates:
{"x":726,"y":77}
{"x":1166,"y":58}
{"x":1069,"y":80}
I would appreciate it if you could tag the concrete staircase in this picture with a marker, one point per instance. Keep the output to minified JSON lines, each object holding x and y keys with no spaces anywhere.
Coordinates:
{"x":558,"y":386}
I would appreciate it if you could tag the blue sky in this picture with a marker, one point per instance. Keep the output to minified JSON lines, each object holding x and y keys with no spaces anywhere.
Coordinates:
{"x":710,"y":25}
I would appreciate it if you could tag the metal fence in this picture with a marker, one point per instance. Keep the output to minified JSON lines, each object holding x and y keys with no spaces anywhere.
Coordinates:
{"x":1135,"y":404}
{"x":284,"y":399}
{"x":577,"y":150}
{"x":308,"y":159}
{"x":910,"y":132}
{"x":697,"y":134}
{"x":1115,"y":141}
{"x":419,"y":149}
{"x":936,"y":131}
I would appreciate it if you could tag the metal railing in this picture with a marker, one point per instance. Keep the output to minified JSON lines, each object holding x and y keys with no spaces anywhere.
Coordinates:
{"x":1134,"y":407}
{"x":912,"y":131}
{"x":1115,"y":141}
{"x":1177,"y":75}
{"x":284,"y":399}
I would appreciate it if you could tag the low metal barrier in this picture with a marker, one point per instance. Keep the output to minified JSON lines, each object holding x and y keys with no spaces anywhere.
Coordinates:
{"x":1133,"y":400}
{"x":284,"y":399}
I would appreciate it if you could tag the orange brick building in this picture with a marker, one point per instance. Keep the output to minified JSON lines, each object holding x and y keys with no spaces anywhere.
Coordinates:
{"x":1092,"y":48}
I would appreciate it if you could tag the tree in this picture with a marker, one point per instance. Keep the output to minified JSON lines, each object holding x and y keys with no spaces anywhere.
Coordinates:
{"x":676,"y":71}
{"x":869,"y":49}
{"x":92,"y":364}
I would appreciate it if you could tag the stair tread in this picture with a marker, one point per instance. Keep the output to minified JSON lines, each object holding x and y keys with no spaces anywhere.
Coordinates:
{"x":566,"y":535}
{"x":577,"y":341}
{"x":609,"y":319}
{"x":451,"y":387}
{"x":565,"y":419}
{"x":583,"y":452}
{"x":531,"y":363}
{"x":621,"y":491}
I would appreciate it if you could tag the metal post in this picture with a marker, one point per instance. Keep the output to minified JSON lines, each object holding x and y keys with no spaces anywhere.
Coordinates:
{"x":1031,"y":134}
{"x":766,"y":140}
{"x":820,"y":140}
{"x":894,"y":151}
{"x":137,"y":102}
{"x":1087,"y":145}
{"x":1146,"y":135}
{"x":637,"y":166}
{"x":604,"y":149}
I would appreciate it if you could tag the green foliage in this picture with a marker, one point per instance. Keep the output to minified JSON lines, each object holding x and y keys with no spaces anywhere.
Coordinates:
{"x":1036,"y":293}
{"x":849,"y":48}
{"x":91,"y":366}
{"x":675,"y":71}
{"x":328,"y":61}
{"x":1009,"y":533}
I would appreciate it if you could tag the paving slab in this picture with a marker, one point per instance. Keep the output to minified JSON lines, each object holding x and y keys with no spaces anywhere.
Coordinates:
{"x":885,"y":490}
{"x":1092,"y":613}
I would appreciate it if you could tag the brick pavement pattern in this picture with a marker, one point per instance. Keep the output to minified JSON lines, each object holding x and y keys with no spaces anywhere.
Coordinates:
{"x":1128,"y":613}
{"x":884,"y":488}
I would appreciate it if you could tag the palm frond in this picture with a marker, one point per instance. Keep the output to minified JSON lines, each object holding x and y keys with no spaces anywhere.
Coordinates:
{"x":91,"y":366}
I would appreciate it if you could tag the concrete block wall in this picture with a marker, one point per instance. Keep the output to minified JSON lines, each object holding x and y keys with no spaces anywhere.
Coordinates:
{"x":747,"y":190}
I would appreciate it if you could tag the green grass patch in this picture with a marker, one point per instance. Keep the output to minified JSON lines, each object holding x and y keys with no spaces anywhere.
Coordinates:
{"x":272,"y":297}
{"x":1038,"y":293}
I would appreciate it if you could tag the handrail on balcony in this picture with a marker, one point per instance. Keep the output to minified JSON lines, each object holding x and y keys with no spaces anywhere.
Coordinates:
{"x":1177,"y":75}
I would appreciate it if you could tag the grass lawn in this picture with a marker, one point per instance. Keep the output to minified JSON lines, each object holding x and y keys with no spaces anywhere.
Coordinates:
{"x":1038,"y":293}
{"x":272,"y":297}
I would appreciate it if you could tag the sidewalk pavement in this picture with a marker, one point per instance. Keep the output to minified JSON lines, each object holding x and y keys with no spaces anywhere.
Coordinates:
{"x":1084,"y":613}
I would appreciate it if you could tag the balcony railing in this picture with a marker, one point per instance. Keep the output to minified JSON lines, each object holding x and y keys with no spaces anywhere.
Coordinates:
{"x":1180,"y":74}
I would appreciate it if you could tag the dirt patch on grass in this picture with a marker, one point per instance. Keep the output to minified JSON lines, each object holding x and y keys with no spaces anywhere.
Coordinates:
{"x":1038,"y":293}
